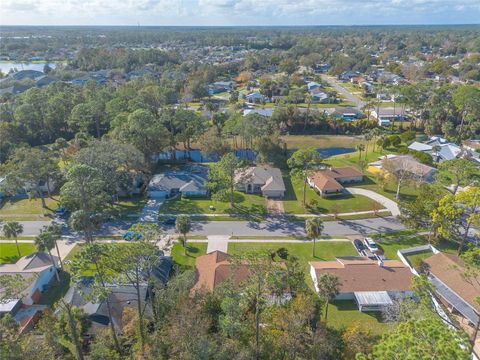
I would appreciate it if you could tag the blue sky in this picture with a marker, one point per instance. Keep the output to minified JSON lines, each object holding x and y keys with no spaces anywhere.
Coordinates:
{"x":238,"y":12}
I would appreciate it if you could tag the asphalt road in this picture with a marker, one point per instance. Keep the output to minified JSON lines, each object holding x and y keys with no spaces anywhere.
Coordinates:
{"x":274,"y":227}
{"x":347,"y":94}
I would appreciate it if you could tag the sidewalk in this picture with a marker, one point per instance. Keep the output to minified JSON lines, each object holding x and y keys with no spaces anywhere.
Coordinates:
{"x":297,"y":215}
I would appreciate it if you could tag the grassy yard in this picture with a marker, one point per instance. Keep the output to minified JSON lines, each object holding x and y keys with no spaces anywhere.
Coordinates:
{"x":194,"y":250}
{"x":8,"y":252}
{"x":320,"y":141}
{"x":27,"y":209}
{"x":391,"y":246}
{"x":325,"y":250}
{"x":126,"y":206}
{"x":341,"y":314}
{"x":416,"y":260}
{"x":248,"y":204}
{"x":407,"y":191}
{"x":292,"y":202}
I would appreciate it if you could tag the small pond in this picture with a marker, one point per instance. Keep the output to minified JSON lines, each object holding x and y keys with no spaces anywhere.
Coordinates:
{"x":6,"y":66}
{"x":332,"y":151}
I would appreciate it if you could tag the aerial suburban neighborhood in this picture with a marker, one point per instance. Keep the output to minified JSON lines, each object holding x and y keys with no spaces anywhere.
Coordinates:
{"x":240,"y":193}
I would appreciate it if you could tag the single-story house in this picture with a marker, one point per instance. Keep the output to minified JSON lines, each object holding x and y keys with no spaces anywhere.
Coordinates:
{"x":331,"y":181}
{"x":321,"y":68}
{"x":409,"y":164}
{"x":37,"y":270}
{"x":188,"y":182}
{"x":214,"y":268}
{"x":267,"y":112}
{"x":347,"y":113}
{"x":45,"y":80}
{"x":258,"y":179}
{"x":446,"y":151}
{"x":372,"y":284}
{"x":312,"y":85}
{"x":254,"y":97}
{"x":25,"y":74}
{"x":221,"y":86}
{"x":386,"y":115}
{"x":140,"y":73}
{"x":120,"y":296}
{"x":457,"y":293}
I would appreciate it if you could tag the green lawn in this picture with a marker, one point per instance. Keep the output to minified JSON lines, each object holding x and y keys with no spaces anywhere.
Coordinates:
{"x":325,"y":250}
{"x":8,"y":252}
{"x":126,"y":206}
{"x":292,"y":202}
{"x":416,"y":260}
{"x":73,"y":253}
{"x":248,"y":204}
{"x":407,"y":191}
{"x":391,"y":246}
{"x":341,"y":314}
{"x":194,"y":250}
{"x":30,"y":209}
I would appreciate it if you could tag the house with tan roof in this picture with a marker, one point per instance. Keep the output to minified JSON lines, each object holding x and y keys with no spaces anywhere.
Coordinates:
{"x":372,"y":284}
{"x":332,"y":180}
{"x":457,"y":292}
{"x":259,"y":179}
{"x":216,"y":267}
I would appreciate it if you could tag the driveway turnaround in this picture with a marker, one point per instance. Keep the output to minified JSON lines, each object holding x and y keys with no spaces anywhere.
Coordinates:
{"x":386,"y":202}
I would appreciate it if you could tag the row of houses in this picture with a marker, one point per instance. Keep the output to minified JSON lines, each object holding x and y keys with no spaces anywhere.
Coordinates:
{"x":372,"y":284}
{"x":38,"y":270}
{"x":191,"y":181}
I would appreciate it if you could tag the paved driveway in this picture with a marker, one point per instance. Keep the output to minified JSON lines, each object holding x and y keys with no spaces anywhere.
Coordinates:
{"x":386,"y":202}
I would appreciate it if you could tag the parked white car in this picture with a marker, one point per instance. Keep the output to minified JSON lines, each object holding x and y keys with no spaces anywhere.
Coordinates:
{"x":370,"y":244}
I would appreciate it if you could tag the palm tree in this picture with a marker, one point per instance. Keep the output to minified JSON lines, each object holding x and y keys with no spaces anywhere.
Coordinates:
{"x":56,"y":233}
{"x":368,"y":138}
{"x":183,"y":226}
{"x":314,"y":228}
{"x":45,"y":241}
{"x":12,"y":229}
{"x":328,"y":287}
{"x":436,"y":149}
{"x":360,"y":148}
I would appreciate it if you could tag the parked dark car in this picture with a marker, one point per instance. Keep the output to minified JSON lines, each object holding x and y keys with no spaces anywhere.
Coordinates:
{"x":359,"y":245}
{"x":61,"y":212}
{"x":170,"y":221}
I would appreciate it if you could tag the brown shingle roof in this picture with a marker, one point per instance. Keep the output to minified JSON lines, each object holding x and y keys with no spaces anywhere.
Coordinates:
{"x":214,"y":268}
{"x":329,"y":179}
{"x":362,"y":274}
{"x":448,"y":269}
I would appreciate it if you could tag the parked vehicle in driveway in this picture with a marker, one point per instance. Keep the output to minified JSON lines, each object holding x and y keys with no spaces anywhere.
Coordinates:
{"x":370,"y":244}
{"x":359,"y":246}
